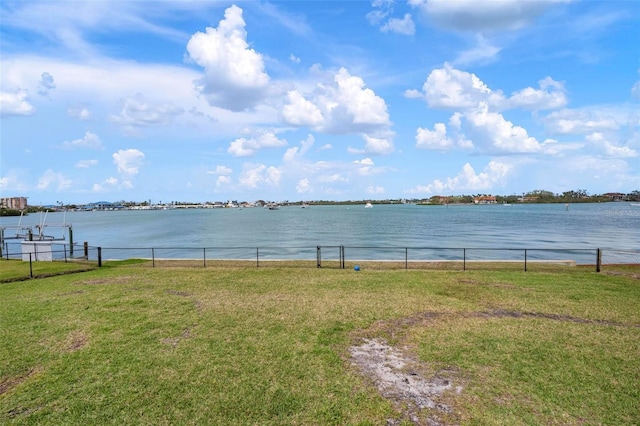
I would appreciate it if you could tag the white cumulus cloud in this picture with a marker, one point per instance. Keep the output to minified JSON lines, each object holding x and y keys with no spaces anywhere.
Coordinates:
{"x":234,"y":78}
{"x":15,"y":103}
{"x":496,"y":134}
{"x":467,"y":180}
{"x":255,"y":176}
{"x":301,"y":112}
{"x":551,"y":95}
{"x":89,"y":140}
{"x":344,"y":105}
{"x":434,"y":139}
{"x":451,"y":88}
{"x":245,"y":147}
{"x":128,"y":161}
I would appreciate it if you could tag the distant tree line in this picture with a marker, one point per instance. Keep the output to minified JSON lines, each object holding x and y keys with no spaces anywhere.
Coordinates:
{"x":538,"y":196}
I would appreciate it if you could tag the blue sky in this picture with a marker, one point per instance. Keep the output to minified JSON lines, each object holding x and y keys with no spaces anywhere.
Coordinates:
{"x":304,"y":100}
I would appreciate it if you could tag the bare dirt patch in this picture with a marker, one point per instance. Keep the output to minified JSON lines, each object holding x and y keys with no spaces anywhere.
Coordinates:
{"x":8,"y":383}
{"x":75,"y":341}
{"x":398,"y":377}
{"x":174,"y":341}
{"x":419,"y":393}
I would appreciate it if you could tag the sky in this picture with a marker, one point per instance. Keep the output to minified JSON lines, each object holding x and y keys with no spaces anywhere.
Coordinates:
{"x":317,"y":100}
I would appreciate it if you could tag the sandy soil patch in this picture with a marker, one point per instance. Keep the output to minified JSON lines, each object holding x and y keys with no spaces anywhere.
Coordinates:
{"x":397,"y":376}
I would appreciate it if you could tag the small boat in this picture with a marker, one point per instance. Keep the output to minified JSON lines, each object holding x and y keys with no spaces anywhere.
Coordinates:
{"x":304,"y":206}
{"x":635,"y":204}
{"x":368,"y":206}
{"x":273,"y":207}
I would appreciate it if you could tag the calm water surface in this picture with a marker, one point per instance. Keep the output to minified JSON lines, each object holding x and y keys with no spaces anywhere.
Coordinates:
{"x":581,"y":226}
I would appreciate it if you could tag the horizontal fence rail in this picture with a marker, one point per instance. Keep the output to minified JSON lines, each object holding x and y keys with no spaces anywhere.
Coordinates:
{"x":332,"y":256}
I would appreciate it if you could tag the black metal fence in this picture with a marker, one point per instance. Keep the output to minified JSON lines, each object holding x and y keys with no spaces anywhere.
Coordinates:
{"x":338,"y":256}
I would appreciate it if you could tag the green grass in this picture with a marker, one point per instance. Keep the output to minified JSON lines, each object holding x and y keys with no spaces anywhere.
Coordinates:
{"x":17,"y":270}
{"x":131,"y":344}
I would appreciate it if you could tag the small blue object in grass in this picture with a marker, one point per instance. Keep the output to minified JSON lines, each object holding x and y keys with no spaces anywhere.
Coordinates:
{"x":356,"y":268}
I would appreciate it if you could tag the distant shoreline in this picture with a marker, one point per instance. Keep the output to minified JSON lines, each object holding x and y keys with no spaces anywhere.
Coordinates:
{"x":137,"y":207}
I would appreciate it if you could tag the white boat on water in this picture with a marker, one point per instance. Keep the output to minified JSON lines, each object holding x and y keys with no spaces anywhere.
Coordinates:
{"x":368,"y":206}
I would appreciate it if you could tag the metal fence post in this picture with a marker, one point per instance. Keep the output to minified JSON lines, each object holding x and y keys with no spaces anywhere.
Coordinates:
{"x":204,"y":255}
{"x":525,"y":260}
{"x":464,"y":259}
{"x":153,"y":257}
{"x":257,"y":257}
{"x":64,"y":247}
{"x":406,"y":258}
{"x":598,"y":260}
{"x":30,"y":267}
{"x":318,"y":257}
{"x":99,"y":257}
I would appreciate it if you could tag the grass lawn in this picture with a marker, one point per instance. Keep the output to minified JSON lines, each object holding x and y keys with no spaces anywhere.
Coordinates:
{"x":17,"y":270}
{"x":131,"y":344}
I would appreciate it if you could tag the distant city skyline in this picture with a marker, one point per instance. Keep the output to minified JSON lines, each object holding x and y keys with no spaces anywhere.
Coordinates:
{"x":341,"y":100}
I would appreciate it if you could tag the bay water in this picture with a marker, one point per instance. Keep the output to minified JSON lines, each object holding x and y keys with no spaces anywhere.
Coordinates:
{"x":295,"y":232}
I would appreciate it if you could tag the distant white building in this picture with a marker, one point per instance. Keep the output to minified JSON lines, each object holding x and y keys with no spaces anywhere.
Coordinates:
{"x":15,"y":203}
{"x":485,"y":199}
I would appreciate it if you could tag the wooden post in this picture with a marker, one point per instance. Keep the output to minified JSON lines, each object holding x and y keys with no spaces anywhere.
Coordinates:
{"x":598,"y":260}
{"x":99,"y":257}
{"x":86,"y":250}
{"x":1,"y":240}
{"x":318,"y":257}
{"x":525,"y":260}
